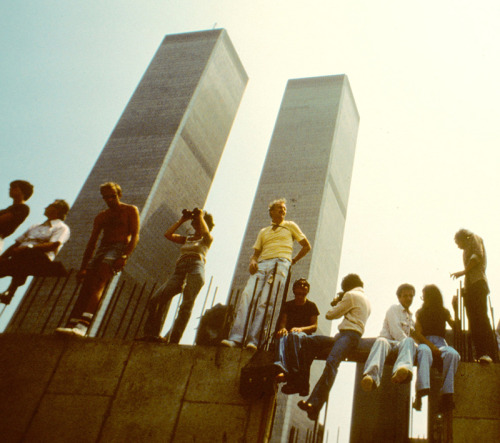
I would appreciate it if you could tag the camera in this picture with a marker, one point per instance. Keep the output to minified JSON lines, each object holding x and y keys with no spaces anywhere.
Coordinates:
{"x":338,"y":298}
{"x":191,"y":214}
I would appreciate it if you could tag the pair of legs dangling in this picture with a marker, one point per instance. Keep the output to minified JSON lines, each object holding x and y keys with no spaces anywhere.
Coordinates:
{"x":450,"y":359}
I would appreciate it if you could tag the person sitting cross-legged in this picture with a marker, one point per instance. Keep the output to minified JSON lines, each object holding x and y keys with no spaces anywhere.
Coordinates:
{"x":298,"y":319}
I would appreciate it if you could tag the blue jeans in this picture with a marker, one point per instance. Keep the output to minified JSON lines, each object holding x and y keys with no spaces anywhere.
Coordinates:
{"x":244,"y":316}
{"x":374,"y":366}
{"x":344,"y":342}
{"x":189,"y":274}
{"x":288,"y":358}
{"x":450,"y":364}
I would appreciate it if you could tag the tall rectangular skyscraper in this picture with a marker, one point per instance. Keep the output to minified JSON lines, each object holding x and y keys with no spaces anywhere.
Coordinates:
{"x":164,"y":152}
{"x":309,"y":162}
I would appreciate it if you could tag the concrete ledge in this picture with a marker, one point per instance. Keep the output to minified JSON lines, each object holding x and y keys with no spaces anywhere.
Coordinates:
{"x":65,"y":389}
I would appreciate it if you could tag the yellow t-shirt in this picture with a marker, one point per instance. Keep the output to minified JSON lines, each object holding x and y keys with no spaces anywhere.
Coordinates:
{"x":278,"y":243}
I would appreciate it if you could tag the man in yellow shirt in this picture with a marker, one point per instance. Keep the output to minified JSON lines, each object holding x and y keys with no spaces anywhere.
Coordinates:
{"x":274,"y":246}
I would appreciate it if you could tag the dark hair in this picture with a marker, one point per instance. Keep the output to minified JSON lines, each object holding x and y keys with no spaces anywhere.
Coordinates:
{"x":462,"y":235}
{"x":301,"y":280}
{"x":404,"y":286}
{"x":433,"y":299}
{"x":62,"y":207}
{"x":25,"y":187}
{"x":209,"y":220}
{"x":112,"y":185}
{"x":351,"y":281}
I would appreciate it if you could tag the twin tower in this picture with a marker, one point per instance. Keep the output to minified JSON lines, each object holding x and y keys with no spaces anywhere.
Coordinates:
{"x":164,"y":152}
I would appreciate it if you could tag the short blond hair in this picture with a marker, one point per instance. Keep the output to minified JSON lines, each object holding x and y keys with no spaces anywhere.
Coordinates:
{"x":276,"y":202}
{"x":112,"y":185}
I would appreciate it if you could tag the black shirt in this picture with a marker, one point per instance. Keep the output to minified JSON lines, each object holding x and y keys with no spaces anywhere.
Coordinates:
{"x":19,"y":211}
{"x":433,"y":322}
{"x":299,"y":315}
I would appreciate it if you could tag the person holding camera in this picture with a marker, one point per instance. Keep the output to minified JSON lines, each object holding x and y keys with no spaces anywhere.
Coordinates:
{"x":353,"y":306}
{"x":188,"y":276}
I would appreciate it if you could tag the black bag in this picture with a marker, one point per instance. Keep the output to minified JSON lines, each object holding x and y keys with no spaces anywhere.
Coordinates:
{"x":258,"y":375}
{"x":214,"y":324}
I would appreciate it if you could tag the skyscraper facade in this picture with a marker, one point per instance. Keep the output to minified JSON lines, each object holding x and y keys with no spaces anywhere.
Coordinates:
{"x":164,"y":152}
{"x":309,"y":162}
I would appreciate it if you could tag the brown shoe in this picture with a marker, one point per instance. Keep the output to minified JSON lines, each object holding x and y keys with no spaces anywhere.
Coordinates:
{"x":402,"y":375}
{"x":367,"y":383}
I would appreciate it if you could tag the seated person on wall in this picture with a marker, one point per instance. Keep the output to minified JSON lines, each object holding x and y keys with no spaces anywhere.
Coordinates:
{"x":299,"y":318}
{"x":274,"y":246}
{"x":119,"y":225}
{"x":35,"y":249}
{"x":188,"y":276}
{"x":430,"y":328}
{"x":11,"y":217}
{"x":394,"y":337}
{"x":354,"y":307}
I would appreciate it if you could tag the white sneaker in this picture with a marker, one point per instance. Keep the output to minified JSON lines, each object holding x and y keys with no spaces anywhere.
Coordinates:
{"x":228,"y":343}
{"x":251,"y":346}
{"x":65,"y":331}
{"x":485,"y":360}
{"x":80,"y":330}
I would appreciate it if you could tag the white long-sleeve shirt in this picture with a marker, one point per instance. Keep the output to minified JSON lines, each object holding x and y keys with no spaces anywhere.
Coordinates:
{"x":355,"y":308}
{"x":398,"y":323}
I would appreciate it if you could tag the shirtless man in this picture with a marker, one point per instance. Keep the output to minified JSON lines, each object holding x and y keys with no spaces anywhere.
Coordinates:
{"x":119,"y":225}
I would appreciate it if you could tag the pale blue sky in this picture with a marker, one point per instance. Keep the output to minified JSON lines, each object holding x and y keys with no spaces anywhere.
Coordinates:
{"x":424,"y":76}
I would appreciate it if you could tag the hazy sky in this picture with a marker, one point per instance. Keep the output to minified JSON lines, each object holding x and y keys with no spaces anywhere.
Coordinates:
{"x":424,"y":77}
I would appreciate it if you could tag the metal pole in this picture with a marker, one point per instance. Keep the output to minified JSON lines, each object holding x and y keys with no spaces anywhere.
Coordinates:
{"x":206,"y":296}
{"x":267,"y":303}
{"x":215,"y":294}
{"x":245,"y":330}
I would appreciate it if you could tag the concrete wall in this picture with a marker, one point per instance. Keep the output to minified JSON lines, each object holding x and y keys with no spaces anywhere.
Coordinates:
{"x":476,"y":417}
{"x":57,"y":389}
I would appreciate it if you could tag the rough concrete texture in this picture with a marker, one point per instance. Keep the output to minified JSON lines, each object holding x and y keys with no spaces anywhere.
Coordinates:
{"x":477,"y":403}
{"x":383,"y":414}
{"x":26,"y":367}
{"x":58,"y":389}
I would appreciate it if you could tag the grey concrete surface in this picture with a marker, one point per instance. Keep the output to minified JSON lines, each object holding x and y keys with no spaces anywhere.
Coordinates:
{"x":66,"y":389}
